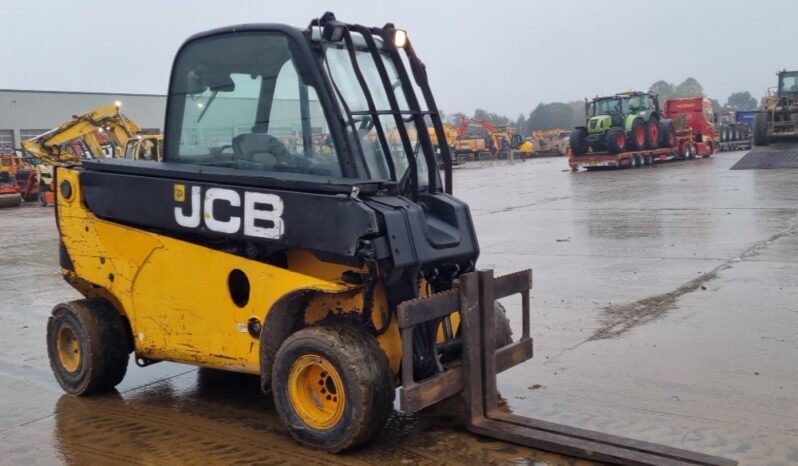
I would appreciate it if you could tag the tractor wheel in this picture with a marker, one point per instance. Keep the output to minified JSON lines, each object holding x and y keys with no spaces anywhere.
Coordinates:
{"x":710,"y":150}
{"x":761,"y":129}
{"x":667,"y":136}
{"x":615,"y":139}
{"x":637,"y":136}
{"x":578,"y":141}
{"x":332,"y":386}
{"x":652,"y":133}
{"x":87,"y":343}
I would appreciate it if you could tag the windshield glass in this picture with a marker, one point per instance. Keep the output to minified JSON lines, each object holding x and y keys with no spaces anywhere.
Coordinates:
{"x":788,"y":83}
{"x":350,"y":93}
{"x":130,"y":150}
{"x":608,"y":105}
{"x":242,"y":105}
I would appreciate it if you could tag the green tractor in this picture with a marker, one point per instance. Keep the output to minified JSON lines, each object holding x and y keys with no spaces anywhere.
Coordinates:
{"x":629,"y":121}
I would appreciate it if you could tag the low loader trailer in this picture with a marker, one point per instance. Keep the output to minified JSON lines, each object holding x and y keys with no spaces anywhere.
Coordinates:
{"x":685,"y":148}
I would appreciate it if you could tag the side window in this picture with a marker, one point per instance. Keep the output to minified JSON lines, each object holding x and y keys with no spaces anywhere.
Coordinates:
{"x":304,"y":133}
{"x":130,"y":150}
{"x":242,"y":105}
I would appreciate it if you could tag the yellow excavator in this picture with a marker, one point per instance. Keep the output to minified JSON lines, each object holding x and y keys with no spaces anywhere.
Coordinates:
{"x":335,"y":276}
{"x":104,"y":132}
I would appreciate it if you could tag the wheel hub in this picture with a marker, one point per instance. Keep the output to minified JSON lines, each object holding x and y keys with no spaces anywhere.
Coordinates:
{"x":316,"y":391}
{"x":68,"y":349}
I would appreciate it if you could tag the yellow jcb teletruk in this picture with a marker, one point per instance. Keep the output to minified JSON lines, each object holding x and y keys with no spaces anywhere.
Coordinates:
{"x":336,"y":273}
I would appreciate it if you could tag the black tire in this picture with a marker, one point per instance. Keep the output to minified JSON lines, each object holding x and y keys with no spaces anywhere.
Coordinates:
{"x":761,"y":129}
{"x":724,"y":133}
{"x":691,"y":152}
{"x":362,"y":369}
{"x":578,"y":141}
{"x":652,"y":133}
{"x":636,"y":139}
{"x":666,"y":134}
{"x":96,"y":332}
{"x":615,"y":140}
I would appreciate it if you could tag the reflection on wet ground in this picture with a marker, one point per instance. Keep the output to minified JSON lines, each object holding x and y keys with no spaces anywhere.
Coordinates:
{"x":210,"y":417}
{"x":663,"y":309}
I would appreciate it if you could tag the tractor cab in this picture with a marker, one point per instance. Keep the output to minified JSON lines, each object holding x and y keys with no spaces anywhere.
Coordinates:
{"x":788,"y":83}
{"x":606,"y":112}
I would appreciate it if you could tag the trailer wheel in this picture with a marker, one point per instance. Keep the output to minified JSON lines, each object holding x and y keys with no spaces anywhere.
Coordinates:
{"x":332,"y":385}
{"x":761,"y":129}
{"x":578,"y":141}
{"x":637,"y":136}
{"x":652,"y":133}
{"x":666,"y":133}
{"x":87,"y":343}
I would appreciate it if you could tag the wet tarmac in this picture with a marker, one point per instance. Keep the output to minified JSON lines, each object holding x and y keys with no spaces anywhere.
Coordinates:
{"x":665,"y":308}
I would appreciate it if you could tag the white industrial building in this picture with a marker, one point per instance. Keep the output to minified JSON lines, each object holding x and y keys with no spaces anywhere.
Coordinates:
{"x":24,"y":114}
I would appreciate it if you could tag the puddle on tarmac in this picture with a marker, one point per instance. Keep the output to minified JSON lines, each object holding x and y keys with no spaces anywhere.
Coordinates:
{"x":208,"y":417}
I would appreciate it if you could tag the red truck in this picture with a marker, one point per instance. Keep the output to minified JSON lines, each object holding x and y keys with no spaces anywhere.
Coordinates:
{"x":694,"y":134}
{"x":696,"y":114}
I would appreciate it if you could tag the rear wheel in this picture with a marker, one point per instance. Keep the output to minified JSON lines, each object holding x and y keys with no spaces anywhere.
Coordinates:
{"x":667,"y":137}
{"x":332,"y":386}
{"x":652,"y":133}
{"x":761,"y":129}
{"x":87,"y":343}
{"x":615,"y":139}
{"x":637,"y":135}
{"x":710,"y":149}
{"x":578,"y":141}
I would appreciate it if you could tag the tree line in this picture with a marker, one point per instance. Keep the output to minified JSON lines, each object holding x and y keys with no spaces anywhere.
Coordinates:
{"x":570,"y":114}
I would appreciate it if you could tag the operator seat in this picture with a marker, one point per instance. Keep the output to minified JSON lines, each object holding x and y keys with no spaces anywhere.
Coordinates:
{"x":260,"y":151}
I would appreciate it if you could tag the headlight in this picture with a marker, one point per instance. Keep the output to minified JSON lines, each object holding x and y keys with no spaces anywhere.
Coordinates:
{"x":399,"y":38}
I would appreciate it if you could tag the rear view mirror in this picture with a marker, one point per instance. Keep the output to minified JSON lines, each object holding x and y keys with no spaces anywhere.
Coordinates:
{"x":199,"y":80}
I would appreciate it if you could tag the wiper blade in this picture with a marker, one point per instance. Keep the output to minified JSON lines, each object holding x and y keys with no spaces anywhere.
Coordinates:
{"x":207,"y":106}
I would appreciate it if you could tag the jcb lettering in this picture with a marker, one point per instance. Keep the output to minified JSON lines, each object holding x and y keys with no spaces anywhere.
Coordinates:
{"x":261,"y":214}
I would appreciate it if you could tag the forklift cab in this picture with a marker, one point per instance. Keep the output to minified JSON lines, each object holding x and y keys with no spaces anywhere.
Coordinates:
{"x":256,"y":99}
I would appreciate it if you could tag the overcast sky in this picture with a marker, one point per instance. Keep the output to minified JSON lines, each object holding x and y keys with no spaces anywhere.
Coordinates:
{"x":503,"y":56}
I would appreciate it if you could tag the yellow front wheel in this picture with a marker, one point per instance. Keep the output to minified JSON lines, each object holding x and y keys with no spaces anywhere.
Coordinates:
{"x":332,"y":385}
{"x":316,"y":391}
